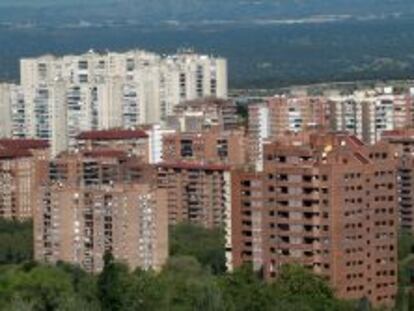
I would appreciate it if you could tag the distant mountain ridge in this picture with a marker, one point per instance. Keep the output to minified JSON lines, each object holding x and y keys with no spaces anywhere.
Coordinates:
{"x":267,"y":43}
{"x":150,"y":11}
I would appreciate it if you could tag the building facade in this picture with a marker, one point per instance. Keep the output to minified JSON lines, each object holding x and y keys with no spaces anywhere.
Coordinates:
{"x":60,"y":97}
{"x":79,"y":224}
{"x":278,"y":115}
{"x":367,"y":114}
{"x":403,"y":142}
{"x":208,"y":146}
{"x":330,"y":205}
{"x":12,"y":111}
{"x":23,"y":167}
{"x":196,"y":115}
{"x":197,"y":193}
{"x":97,"y":201}
{"x":134,"y":142}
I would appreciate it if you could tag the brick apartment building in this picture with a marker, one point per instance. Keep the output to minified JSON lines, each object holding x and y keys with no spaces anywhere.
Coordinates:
{"x":210,"y":146}
{"x":135,"y":142}
{"x":23,"y":166}
{"x":329,"y":204}
{"x":101,"y":200}
{"x":293,"y":114}
{"x":403,"y":141}
{"x":280,"y":114}
{"x":197,"y":192}
{"x":367,"y":114}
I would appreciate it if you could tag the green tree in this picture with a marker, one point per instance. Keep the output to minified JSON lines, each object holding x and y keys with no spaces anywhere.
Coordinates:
{"x":206,"y":245}
{"x":190,"y":286}
{"x":147,"y":292}
{"x":405,"y":268}
{"x":113,"y":285}
{"x":244,"y":291}
{"x":405,"y":244}
{"x":306,"y":291}
{"x":363,"y":305}
{"x":42,"y":288}
{"x":84,"y":286}
{"x":296,"y":281}
{"x":10,"y":232}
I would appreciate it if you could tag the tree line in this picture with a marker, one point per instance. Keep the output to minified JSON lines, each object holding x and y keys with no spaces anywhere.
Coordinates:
{"x":193,"y":279}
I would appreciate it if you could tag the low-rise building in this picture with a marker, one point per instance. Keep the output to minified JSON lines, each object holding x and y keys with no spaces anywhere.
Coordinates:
{"x":23,"y":167}
{"x":209,"y":146}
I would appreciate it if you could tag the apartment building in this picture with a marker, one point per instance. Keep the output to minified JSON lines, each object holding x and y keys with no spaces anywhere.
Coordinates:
{"x":258,"y":133}
{"x":194,"y":116}
{"x":369,"y":113}
{"x":99,"y":166}
{"x":147,"y":83}
{"x":364,"y":113}
{"x":403,"y":142}
{"x":209,"y":146}
{"x":22,"y":168}
{"x":43,"y":115}
{"x":5,"y":110}
{"x":196,"y":192}
{"x":16,"y":182}
{"x":329,"y":204}
{"x":146,"y":142}
{"x":49,"y":118}
{"x":101,"y":200}
{"x":134,"y":142}
{"x":156,"y":134}
{"x":12,"y":111}
{"x":79,"y":224}
{"x":60,"y":97}
{"x":294,"y":114}
{"x":401,"y":139}
{"x":347,"y":115}
{"x":280,"y":114}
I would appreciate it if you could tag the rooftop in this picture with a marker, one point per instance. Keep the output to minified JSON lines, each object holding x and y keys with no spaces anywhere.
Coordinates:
{"x":399,"y":134}
{"x":105,"y":153}
{"x":23,"y":144}
{"x":6,"y":154}
{"x":116,"y":134}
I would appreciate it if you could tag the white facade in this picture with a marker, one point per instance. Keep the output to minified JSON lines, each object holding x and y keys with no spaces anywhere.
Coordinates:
{"x":259,"y":133}
{"x":5,"y":110}
{"x":369,"y":113}
{"x":346,"y":114}
{"x":12,"y":111}
{"x":156,"y":134}
{"x":48,"y":119}
{"x":102,"y":91}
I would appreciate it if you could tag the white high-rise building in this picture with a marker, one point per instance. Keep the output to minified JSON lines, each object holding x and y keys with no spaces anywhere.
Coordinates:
{"x":259,"y":132}
{"x":64,"y":96}
{"x":156,"y":135}
{"x":12,"y":111}
{"x":368,"y":113}
{"x":5,"y":110}
{"x":49,"y":118}
{"x":346,"y":115}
